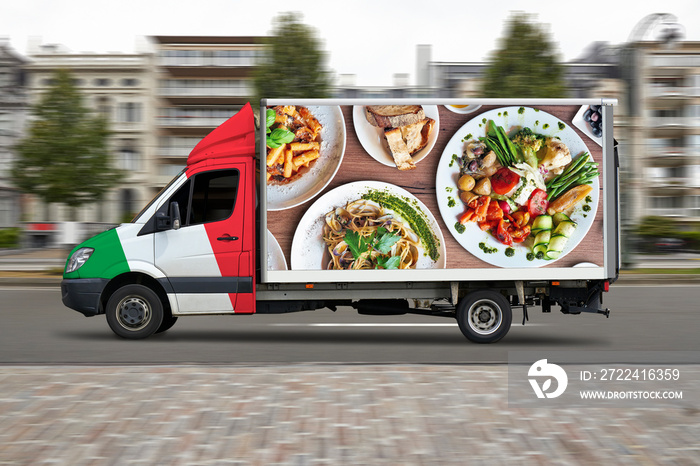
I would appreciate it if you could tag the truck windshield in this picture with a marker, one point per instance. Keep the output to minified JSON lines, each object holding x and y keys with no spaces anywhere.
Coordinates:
{"x":157,"y":196}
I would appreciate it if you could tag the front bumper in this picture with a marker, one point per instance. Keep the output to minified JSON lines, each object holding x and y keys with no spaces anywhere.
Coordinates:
{"x":83,"y":294}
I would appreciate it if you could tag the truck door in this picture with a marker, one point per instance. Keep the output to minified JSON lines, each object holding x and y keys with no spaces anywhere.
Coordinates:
{"x":204,"y":260}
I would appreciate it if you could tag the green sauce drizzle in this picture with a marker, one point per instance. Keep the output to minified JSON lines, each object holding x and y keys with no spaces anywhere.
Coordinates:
{"x":412,"y":215}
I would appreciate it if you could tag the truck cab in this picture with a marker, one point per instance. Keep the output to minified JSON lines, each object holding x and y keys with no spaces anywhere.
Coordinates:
{"x":190,"y":251}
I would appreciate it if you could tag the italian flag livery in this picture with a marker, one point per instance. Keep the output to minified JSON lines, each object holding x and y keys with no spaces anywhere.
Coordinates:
{"x":204,"y":260}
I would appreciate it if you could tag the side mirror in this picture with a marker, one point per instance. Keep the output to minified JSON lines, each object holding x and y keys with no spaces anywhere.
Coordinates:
{"x":175,"y":215}
{"x":169,"y":221}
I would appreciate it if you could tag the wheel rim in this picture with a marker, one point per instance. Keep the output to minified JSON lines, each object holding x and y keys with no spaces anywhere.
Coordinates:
{"x":133,"y":313}
{"x":485,"y":317}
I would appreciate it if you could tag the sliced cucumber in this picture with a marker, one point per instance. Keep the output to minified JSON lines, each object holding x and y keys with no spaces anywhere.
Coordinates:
{"x":556,"y":246}
{"x":560,"y":217}
{"x":565,"y":228}
{"x":560,"y":236}
{"x":541,"y":242}
{"x":541,"y":223}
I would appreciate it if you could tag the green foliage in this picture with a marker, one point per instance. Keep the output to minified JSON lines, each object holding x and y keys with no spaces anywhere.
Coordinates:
{"x":658,"y":227}
{"x":294,"y":64}
{"x":525,"y":65}
{"x":64,"y":157}
{"x":652,"y":227}
{"x":9,"y":237}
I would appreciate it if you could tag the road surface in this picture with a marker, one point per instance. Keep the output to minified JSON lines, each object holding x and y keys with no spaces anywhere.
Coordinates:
{"x":38,"y":329}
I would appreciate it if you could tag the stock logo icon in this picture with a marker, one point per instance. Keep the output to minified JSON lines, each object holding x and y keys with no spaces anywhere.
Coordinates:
{"x":542,"y":370}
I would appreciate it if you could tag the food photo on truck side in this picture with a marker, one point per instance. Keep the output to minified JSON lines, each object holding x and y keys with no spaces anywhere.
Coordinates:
{"x":457,"y":208}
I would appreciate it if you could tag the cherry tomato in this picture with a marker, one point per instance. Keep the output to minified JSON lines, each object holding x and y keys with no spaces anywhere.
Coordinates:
{"x":505,"y":207}
{"x":502,"y":234}
{"x":538,"y":203}
{"x":521,"y":218}
{"x":504,"y":180}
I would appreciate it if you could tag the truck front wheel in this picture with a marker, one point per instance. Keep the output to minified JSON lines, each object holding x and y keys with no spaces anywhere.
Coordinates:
{"x":134,"y":312}
{"x":484,"y":316}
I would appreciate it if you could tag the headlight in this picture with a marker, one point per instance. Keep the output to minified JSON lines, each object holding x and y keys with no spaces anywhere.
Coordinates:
{"x":78,"y":258}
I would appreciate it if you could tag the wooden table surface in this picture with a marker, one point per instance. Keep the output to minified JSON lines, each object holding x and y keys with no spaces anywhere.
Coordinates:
{"x":357,"y":165}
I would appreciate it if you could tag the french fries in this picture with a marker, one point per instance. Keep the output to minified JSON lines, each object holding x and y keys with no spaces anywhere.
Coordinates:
{"x":285,"y":161}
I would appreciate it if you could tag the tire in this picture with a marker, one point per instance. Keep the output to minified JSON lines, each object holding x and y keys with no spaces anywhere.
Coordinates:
{"x":134,"y":312}
{"x":168,"y":322}
{"x":484,"y":316}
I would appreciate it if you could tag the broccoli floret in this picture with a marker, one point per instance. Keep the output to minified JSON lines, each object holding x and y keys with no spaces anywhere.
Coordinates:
{"x":528,"y":143}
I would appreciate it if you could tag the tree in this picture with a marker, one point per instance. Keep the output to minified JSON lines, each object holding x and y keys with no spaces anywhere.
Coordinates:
{"x":64,"y":157}
{"x":525,"y":65}
{"x":294,"y":64}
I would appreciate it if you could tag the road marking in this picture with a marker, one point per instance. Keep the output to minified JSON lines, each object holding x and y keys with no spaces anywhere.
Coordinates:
{"x":379,"y":324}
{"x":29,"y":288}
{"x":367,"y":324}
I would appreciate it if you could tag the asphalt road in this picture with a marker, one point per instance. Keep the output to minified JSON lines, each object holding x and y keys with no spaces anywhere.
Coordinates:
{"x":37,"y":329}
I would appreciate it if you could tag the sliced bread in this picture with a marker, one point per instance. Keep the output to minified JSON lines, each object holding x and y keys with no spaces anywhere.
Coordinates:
{"x":392,"y":116}
{"x":399,"y":150}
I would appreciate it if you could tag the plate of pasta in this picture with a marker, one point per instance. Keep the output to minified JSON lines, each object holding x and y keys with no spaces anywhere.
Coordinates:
{"x":367,"y":225}
{"x":305,"y":147}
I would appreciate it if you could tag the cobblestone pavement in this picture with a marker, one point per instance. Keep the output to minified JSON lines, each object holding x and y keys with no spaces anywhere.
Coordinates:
{"x":315,"y":415}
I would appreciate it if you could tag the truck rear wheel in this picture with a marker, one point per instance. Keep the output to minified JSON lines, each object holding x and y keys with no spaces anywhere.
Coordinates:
{"x":134,"y":312}
{"x":484,"y":316}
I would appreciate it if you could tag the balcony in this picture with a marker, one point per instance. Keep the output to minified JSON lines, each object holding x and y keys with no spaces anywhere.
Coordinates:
{"x":662,"y":122}
{"x":191,"y":122}
{"x":207,"y":61}
{"x":673,"y":92}
{"x":175,"y":151}
{"x":674,"y":61}
{"x":204,"y":91}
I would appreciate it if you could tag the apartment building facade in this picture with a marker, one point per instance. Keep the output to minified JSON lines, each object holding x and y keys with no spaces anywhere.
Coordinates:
{"x":120,"y":87}
{"x":201,"y":81}
{"x":664,"y":129}
{"x":13,"y":113}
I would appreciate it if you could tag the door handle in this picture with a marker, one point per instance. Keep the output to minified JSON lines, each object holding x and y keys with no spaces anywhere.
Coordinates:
{"x":227,"y":238}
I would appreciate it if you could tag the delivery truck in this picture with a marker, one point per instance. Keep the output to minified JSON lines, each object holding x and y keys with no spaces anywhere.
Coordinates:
{"x":457,"y":208}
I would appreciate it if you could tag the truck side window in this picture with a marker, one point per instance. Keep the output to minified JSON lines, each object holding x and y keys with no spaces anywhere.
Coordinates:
{"x":213,"y":196}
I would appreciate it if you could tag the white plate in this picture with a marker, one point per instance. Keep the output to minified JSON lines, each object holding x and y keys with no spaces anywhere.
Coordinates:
{"x":581,"y":124}
{"x":446,"y":185}
{"x":463,"y":110}
{"x":308,"y":247}
{"x":275,"y":256}
{"x":374,"y":142}
{"x":308,"y":185}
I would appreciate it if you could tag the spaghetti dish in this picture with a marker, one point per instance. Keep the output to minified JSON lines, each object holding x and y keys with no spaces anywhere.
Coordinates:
{"x":363,"y":235}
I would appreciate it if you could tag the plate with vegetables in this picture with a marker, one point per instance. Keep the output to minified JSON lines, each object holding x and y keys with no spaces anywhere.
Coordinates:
{"x":517,"y":187}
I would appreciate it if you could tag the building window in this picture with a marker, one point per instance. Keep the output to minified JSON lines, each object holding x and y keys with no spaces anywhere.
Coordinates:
{"x":130,"y":82}
{"x":102,"y":82}
{"x":129,"y":112}
{"x":128,"y":159}
{"x":104,"y":109}
{"x":127,"y":204}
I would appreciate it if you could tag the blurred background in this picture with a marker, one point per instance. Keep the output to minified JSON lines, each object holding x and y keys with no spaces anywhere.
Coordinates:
{"x":131,"y":117}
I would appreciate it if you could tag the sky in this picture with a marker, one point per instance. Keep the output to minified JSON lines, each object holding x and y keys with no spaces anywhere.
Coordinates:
{"x":372,"y":39}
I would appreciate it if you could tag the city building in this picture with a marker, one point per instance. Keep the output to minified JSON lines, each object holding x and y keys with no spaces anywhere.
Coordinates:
{"x":663,"y":135}
{"x":120,"y":87}
{"x":13,"y":112}
{"x":201,"y":81}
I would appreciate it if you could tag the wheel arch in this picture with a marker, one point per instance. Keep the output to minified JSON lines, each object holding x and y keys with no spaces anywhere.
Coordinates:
{"x":135,"y":278}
